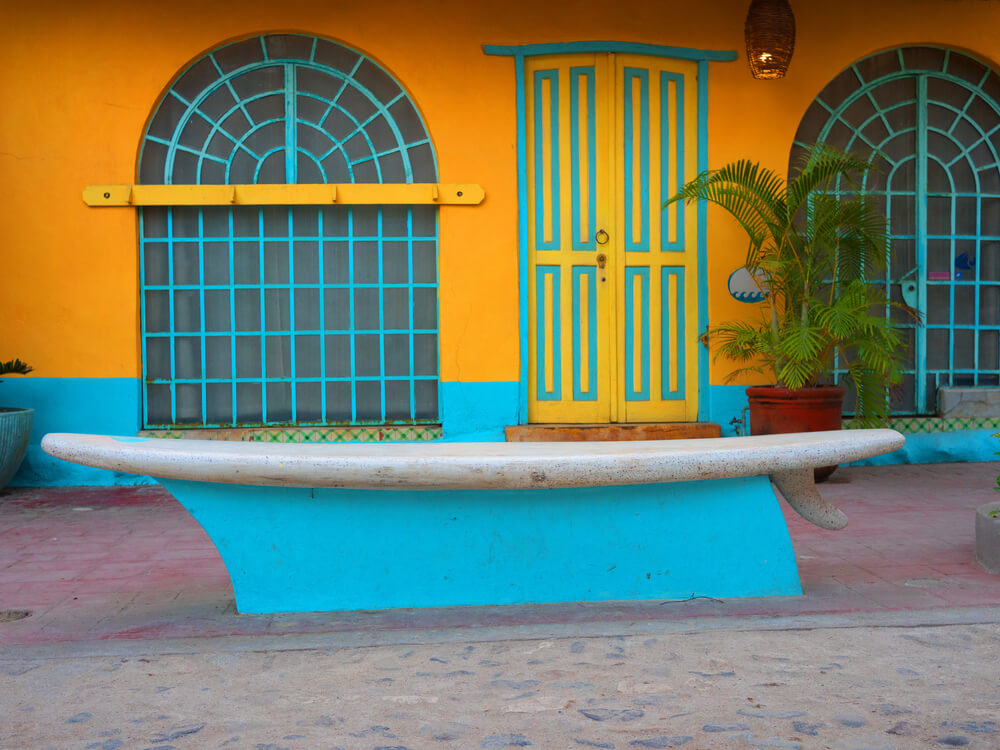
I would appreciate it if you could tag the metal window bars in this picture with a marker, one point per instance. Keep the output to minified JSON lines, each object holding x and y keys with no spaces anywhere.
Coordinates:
{"x":931,"y":116}
{"x":287,"y":314}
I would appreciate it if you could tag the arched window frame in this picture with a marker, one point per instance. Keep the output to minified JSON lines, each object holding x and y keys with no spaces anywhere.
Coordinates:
{"x":178,"y":391}
{"x":955,"y":347}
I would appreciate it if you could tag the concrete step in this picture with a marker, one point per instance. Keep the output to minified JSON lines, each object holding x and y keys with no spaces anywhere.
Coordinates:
{"x":535,"y":433}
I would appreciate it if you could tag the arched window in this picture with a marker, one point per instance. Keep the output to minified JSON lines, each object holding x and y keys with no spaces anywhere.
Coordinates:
{"x":932,"y":117}
{"x":267,"y":315}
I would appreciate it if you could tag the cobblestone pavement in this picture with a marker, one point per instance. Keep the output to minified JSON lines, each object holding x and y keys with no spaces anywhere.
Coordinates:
{"x":856,"y":687}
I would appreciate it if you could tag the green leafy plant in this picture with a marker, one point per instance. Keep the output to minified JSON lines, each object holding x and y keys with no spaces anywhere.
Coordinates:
{"x":14,"y":367}
{"x":816,"y":247}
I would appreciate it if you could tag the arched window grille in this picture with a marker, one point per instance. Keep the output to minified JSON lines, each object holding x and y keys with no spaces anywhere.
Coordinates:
{"x":268,"y":315}
{"x":931,"y":116}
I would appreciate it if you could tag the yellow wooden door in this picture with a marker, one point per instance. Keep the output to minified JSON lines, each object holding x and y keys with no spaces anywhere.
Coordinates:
{"x":612,"y":277}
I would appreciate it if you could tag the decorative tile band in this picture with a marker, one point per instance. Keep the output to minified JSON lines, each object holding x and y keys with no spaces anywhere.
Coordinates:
{"x":918,"y":425}
{"x":372,"y":434}
{"x":375,"y":434}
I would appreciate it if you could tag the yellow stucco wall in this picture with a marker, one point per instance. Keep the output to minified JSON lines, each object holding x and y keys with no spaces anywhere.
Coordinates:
{"x":79,"y":80}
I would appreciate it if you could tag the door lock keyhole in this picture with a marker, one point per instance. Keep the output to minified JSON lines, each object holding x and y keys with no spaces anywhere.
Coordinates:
{"x":602,"y":261}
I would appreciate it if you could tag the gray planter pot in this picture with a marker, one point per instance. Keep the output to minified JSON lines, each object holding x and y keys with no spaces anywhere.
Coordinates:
{"x":988,"y":537}
{"x":15,"y":430}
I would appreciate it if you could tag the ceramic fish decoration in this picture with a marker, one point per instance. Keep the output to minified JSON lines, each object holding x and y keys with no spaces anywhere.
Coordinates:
{"x":744,"y":288}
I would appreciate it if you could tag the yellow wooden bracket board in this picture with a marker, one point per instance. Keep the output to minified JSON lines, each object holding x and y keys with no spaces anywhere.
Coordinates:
{"x":450,"y":194}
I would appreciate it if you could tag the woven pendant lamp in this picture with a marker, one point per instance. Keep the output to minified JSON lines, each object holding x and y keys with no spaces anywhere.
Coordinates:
{"x":770,"y":34}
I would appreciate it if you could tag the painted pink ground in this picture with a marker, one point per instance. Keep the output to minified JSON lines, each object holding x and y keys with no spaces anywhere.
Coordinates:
{"x":97,"y":563}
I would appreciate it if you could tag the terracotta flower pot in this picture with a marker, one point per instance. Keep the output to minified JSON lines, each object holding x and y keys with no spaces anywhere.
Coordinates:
{"x":777,"y":410}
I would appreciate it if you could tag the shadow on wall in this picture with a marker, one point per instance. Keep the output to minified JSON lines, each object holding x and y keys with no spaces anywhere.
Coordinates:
{"x":941,"y":447}
{"x":100,"y":405}
{"x":728,"y":402}
{"x":471,"y":412}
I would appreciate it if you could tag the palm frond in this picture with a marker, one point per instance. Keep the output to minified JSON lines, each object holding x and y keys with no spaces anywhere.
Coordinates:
{"x":751,"y":194}
{"x":818,"y":245}
{"x":14,"y":367}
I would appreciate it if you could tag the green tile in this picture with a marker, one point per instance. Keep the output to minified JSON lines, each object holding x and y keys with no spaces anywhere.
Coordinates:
{"x":355,"y":434}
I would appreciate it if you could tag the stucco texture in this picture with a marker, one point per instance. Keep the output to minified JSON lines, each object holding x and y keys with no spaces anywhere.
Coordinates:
{"x":80,"y":81}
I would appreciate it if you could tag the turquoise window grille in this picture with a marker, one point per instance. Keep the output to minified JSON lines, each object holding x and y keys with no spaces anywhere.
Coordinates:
{"x":270,"y":315}
{"x":932,"y":118}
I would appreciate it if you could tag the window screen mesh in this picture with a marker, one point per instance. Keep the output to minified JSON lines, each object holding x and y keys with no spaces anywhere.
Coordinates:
{"x":288,"y":314}
{"x":931,"y":117}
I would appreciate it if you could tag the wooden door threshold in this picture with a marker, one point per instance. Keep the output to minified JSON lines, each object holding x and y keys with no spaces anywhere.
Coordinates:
{"x":544,"y":433}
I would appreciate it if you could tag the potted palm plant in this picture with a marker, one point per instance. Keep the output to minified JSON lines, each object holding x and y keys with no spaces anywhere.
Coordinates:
{"x":817,"y":245}
{"x":15,"y":427}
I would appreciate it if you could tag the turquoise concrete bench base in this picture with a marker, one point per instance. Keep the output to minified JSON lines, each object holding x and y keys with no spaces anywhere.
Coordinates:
{"x":293,"y":549}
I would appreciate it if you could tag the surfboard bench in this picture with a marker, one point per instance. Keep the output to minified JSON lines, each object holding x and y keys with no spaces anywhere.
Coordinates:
{"x":333,"y":526}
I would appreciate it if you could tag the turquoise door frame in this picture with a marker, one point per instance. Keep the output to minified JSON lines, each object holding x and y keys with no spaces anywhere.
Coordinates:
{"x":702,"y":58}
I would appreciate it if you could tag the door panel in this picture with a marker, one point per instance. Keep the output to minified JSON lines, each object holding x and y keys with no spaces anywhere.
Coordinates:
{"x":656,"y":118}
{"x":569,"y":375}
{"x":611,"y":272}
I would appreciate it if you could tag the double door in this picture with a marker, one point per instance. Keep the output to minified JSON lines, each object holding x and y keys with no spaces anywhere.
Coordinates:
{"x":612,"y":275}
